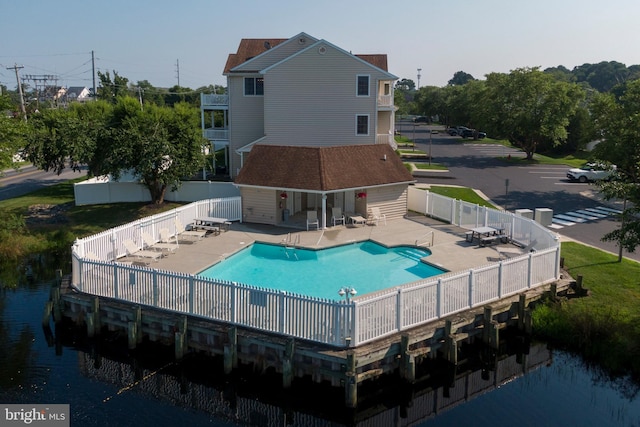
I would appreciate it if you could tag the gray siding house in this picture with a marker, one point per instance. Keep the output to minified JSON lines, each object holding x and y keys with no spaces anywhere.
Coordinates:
{"x":307,"y":126}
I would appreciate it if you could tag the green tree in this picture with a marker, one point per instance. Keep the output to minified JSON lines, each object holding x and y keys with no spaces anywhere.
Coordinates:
{"x":618,"y":121}
{"x":12,"y":130}
{"x":407,"y":85}
{"x":429,"y":100}
{"x":158,"y":145}
{"x":528,"y":107}
{"x":110,"y":90}
{"x":61,"y":138}
{"x":460,"y":78}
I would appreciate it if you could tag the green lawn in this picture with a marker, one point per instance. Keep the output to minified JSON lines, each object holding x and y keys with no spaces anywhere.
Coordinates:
{"x":605,"y":326}
{"x":461,"y":193}
{"x":17,"y":238}
{"x":427,"y":166}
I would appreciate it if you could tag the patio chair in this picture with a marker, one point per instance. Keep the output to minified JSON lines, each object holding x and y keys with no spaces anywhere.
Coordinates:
{"x":375,"y":216}
{"x":337,"y":216}
{"x":182,"y":232}
{"x":141,"y":254}
{"x":157,"y":246}
{"x":506,"y":252}
{"x":312,"y":219}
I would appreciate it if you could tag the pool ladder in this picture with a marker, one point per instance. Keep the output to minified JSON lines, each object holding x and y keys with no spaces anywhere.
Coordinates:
{"x":289,"y":244}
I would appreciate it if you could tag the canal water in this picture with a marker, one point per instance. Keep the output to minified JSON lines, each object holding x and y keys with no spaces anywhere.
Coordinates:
{"x":105,"y":385}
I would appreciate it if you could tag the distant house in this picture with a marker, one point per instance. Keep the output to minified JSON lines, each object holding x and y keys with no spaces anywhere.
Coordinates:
{"x":306,"y":125}
{"x":77,"y":94}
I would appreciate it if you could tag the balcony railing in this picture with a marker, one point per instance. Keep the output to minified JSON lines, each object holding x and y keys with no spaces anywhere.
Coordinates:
{"x":385,"y":100}
{"x":384,"y":138}
{"x":214,"y":100}
{"x":216,"y":134}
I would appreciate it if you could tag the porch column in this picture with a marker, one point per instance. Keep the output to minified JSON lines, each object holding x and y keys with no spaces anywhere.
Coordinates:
{"x":324,"y":211}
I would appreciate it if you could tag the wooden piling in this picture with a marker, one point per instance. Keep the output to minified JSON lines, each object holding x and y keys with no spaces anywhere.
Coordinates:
{"x":487,"y":317}
{"x":179,"y":344}
{"x":287,"y":364}
{"x":179,"y":337}
{"x":137,"y":317}
{"x":450,"y":345}
{"x":46,"y":315}
{"x":231,"y":350}
{"x":132,"y":335}
{"x":521,"y":306}
{"x":350,"y":382}
{"x":407,"y":361}
{"x":95,"y":309}
{"x":91,"y":325}
{"x":55,"y":298}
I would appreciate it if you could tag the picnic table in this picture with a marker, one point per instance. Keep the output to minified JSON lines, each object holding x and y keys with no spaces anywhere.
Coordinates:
{"x":486,"y":235}
{"x":210,"y":223}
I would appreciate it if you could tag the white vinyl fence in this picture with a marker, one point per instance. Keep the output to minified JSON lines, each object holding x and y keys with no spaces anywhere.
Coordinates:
{"x":337,"y":323}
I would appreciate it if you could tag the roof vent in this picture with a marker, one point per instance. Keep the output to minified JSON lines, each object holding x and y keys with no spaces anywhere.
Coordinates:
{"x":267,"y":45}
{"x":322,"y":50}
{"x":302,"y":40}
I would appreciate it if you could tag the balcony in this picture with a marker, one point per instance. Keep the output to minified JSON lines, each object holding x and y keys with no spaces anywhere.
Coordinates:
{"x":214,"y":101}
{"x":385,"y":102}
{"x":219,"y":135}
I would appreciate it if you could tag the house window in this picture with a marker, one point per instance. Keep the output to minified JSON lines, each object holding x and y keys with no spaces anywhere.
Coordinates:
{"x":362,"y":124}
{"x":362,"y":83}
{"x":254,"y":86}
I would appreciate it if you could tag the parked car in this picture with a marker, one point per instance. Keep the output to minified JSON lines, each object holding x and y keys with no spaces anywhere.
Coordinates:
{"x":420,"y":119}
{"x":591,"y":172}
{"x":469,"y":133}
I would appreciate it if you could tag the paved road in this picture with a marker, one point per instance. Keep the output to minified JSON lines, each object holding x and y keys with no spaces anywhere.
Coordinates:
{"x":476,"y":165}
{"x":16,"y":183}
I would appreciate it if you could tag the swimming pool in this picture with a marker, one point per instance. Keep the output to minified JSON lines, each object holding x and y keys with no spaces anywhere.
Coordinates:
{"x":366,"y":266}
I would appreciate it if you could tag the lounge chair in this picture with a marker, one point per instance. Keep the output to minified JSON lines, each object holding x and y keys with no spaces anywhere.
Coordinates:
{"x":506,"y":252}
{"x":182,"y":232}
{"x":312,"y":219}
{"x":337,"y":216}
{"x":141,"y":254}
{"x":158,"y":246}
{"x":375,"y":216}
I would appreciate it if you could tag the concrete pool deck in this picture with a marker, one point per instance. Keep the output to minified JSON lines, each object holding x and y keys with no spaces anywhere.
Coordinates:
{"x":450,"y":250}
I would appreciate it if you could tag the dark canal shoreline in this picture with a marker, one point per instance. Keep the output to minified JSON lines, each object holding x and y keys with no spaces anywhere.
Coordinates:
{"x":106,"y":384}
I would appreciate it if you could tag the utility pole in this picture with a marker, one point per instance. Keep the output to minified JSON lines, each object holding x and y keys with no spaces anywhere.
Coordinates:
{"x":24,"y":111}
{"x":93,"y":74}
{"x":178,"y":70}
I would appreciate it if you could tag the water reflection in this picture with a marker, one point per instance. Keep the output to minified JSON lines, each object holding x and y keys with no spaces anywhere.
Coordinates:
{"x":105,"y":384}
{"x":197,"y":384}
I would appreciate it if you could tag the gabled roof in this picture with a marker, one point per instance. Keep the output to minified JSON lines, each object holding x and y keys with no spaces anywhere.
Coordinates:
{"x":322,"y":168}
{"x":377,"y":60}
{"x":250,"y":48}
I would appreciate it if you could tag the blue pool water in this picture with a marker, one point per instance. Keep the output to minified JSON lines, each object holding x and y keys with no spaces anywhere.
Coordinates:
{"x":365,"y":266}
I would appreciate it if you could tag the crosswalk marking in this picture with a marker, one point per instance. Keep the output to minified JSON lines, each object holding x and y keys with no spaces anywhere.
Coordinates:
{"x":580,"y":216}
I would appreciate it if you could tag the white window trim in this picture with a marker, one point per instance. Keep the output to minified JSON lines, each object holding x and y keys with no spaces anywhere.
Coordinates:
{"x":368,"y":76}
{"x":368,"y":124}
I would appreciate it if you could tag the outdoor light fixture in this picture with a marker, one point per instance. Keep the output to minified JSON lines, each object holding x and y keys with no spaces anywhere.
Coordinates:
{"x":347,"y":291}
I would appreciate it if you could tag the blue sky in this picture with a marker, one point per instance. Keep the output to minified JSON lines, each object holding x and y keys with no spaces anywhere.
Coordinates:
{"x":145,"y":39}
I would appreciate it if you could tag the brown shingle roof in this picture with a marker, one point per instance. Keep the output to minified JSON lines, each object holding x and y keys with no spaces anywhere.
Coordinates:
{"x":378,"y":60}
{"x":322,"y":168}
{"x":247,"y":49}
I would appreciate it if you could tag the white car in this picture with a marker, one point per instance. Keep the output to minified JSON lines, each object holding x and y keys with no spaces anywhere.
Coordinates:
{"x":590,"y":172}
